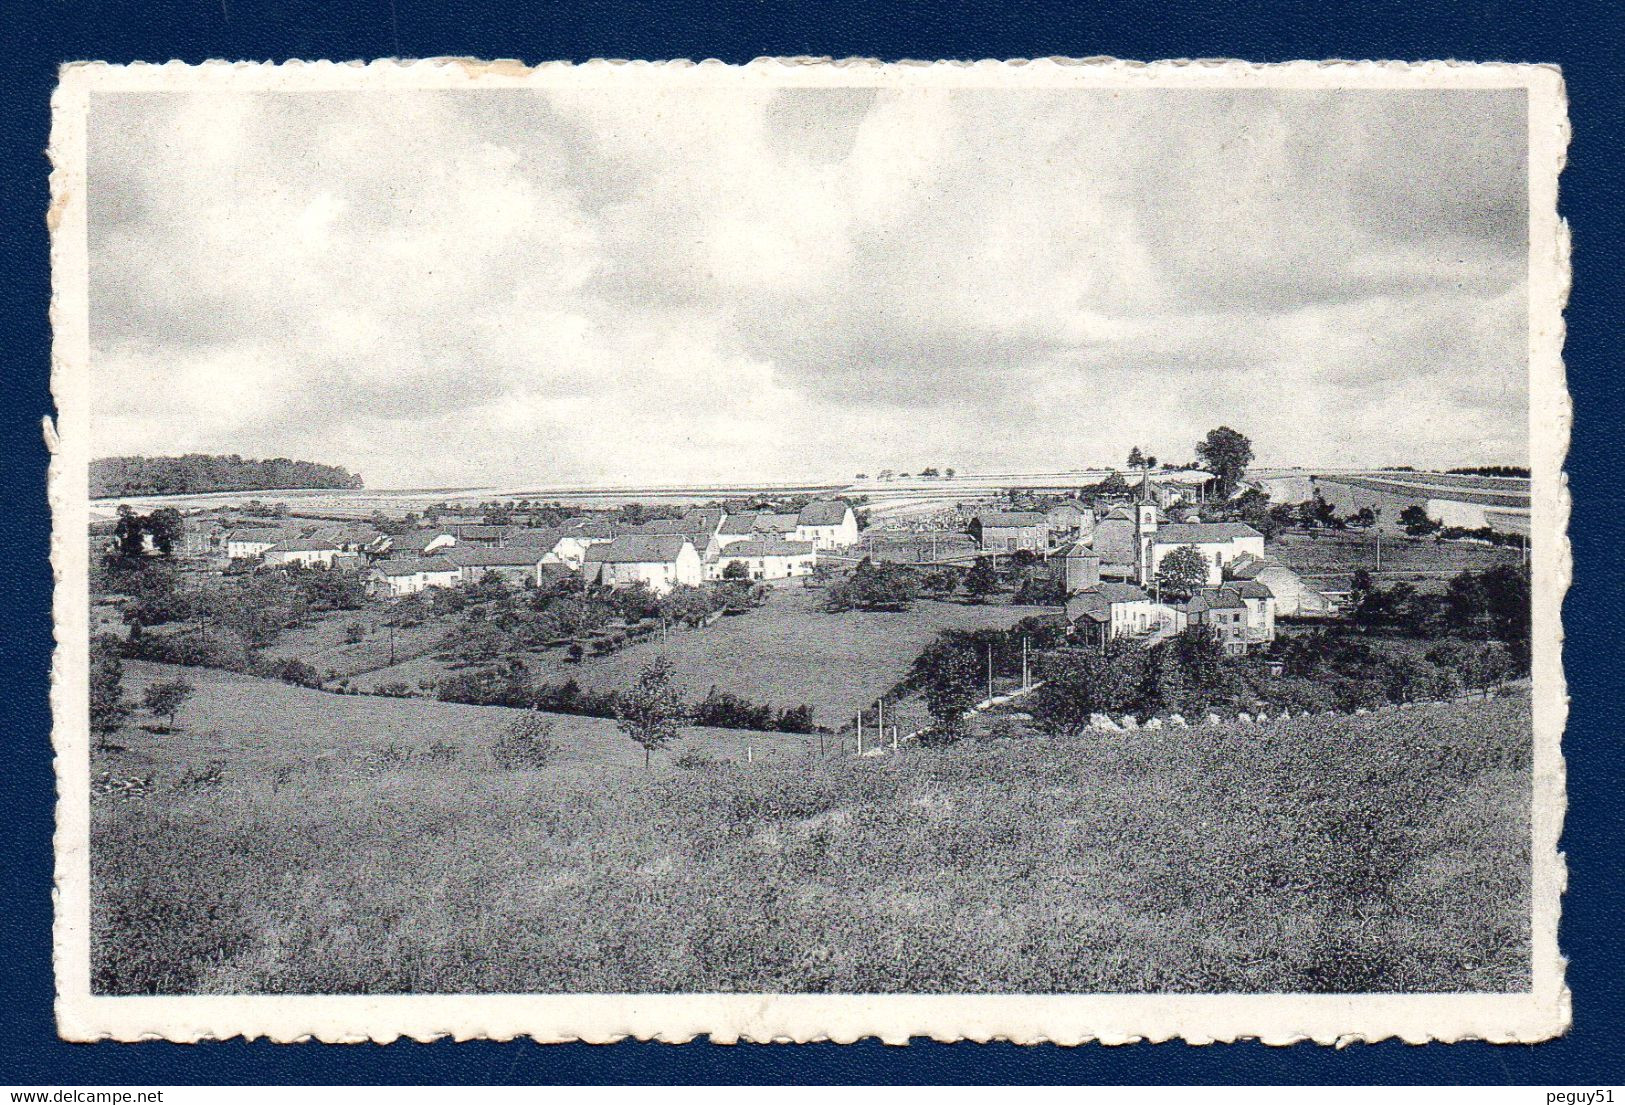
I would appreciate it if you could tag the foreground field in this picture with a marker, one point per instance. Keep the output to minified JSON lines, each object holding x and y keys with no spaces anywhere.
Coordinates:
{"x":788,"y":652}
{"x":1341,"y":854}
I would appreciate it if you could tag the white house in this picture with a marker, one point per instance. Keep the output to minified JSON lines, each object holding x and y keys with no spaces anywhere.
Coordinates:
{"x":1112,"y":611}
{"x":409,"y":576}
{"x":766,"y":558}
{"x":663,"y":561}
{"x":827,"y":524}
{"x":310,"y":552}
{"x":246,"y":544}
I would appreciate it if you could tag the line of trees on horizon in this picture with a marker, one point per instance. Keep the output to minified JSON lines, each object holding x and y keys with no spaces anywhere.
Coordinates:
{"x":196,"y":473}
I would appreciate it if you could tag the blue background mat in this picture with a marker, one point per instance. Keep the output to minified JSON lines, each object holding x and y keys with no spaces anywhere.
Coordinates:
{"x":1584,"y":40}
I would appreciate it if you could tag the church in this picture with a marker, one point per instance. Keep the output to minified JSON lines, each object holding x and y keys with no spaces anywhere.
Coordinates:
{"x":1132,"y":540}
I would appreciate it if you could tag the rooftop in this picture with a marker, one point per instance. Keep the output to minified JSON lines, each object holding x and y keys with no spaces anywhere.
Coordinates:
{"x":768,"y":546}
{"x":824,"y":512}
{"x":639,"y":549}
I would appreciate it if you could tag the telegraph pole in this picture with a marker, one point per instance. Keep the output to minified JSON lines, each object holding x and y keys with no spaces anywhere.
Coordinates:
{"x":990,"y":670}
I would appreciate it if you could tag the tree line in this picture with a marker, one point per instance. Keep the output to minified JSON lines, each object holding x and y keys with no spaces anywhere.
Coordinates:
{"x":202,"y":472}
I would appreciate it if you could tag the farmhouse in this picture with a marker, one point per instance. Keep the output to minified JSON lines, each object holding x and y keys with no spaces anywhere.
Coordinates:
{"x":698,"y":531}
{"x":308,"y":552}
{"x":740,"y":527}
{"x":557,"y":546}
{"x":409,"y":576}
{"x":424,"y":541}
{"x":204,"y":536}
{"x":1114,"y":611}
{"x":781,"y":525}
{"x":662,"y":561}
{"x":512,"y":565}
{"x":1242,"y":614}
{"x":1293,"y":597}
{"x":354,"y":537}
{"x":827,"y":524}
{"x":1070,"y":517}
{"x":246,"y":544}
{"x":767,"y":558}
{"x":1011,"y":531}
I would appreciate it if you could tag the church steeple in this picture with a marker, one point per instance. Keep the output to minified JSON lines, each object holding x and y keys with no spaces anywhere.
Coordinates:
{"x":1145,"y":511}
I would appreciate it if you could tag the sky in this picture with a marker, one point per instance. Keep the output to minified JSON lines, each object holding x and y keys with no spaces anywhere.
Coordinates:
{"x":469,"y":288}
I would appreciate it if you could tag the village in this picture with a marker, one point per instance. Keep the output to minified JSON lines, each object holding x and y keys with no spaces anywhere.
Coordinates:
{"x":540,"y":603}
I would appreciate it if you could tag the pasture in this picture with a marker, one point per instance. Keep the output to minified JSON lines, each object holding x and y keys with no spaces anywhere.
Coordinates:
{"x":785,"y":653}
{"x":1328,"y":553}
{"x":1343,"y":854}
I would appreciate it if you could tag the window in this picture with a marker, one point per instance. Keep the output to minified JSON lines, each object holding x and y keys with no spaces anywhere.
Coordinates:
{"x":1010,"y":544}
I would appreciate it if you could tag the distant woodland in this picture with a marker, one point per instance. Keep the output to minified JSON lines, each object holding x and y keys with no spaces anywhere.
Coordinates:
{"x":200,"y":472}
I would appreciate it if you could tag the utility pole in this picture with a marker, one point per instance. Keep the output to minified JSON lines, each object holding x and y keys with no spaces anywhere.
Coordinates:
{"x":990,"y":670}
{"x":391,"y":644}
{"x":1026,"y":679}
{"x":1379,"y":546}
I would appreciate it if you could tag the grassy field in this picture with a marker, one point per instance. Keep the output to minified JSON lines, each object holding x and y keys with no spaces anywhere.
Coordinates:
{"x":1333,"y":554}
{"x":788,"y":652}
{"x":320,"y":641}
{"x":1334,"y":854}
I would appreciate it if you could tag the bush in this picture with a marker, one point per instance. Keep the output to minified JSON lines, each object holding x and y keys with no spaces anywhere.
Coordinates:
{"x":299,"y":673}
{"x":525,"y":744}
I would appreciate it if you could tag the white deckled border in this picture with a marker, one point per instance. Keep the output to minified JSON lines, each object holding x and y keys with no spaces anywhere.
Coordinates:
{"x":725,"y":1018}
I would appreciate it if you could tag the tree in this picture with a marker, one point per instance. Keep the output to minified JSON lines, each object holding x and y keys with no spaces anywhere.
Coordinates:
{"x":981,"y":581}
{"x":1150,"y":462}
{"x":1113,"y":486}
{"x":107,"y":706}
{"x":1079,"y":683}
{"x":736,"y":570}
{"x":949,"y":675}
{"x":651,"y":713}
{"x":1416,"y":521}
{"x":167,"y":528}
{"x":948,"y":472}
{"x":1226,"y":454}
{"x":1182,"y":572}
{"x":929,"y":473}
{"x":1136,"y":459}
{"x":166,"y":699}
{"x":129,"y":533}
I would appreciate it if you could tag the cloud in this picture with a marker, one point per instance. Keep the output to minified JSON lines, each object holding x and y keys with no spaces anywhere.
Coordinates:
{"x":493,"y":287}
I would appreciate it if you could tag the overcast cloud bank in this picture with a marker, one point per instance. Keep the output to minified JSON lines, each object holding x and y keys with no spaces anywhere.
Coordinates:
{"x":482,"y":287}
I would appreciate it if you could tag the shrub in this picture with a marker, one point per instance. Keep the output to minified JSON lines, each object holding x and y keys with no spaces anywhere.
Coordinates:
{"x":525,"y":744}
{"x":299,"y":673}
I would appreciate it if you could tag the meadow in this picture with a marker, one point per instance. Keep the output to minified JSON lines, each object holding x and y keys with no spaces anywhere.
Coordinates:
{"x":325,"y":851}
{"x":1340,"y":553}
{"x":785,"y":653}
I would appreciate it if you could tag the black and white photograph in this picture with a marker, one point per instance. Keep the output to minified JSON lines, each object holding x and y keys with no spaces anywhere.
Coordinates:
{"x":1038,"y":552}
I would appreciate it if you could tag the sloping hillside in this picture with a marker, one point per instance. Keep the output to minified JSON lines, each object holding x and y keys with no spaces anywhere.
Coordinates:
{"x":1347,"y":854}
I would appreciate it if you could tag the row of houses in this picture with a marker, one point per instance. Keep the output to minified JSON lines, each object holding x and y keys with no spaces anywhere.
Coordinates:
{"x":701,"y":545}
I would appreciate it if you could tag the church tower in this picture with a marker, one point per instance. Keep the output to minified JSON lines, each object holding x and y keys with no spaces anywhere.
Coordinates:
{"x":1145,"y":533}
